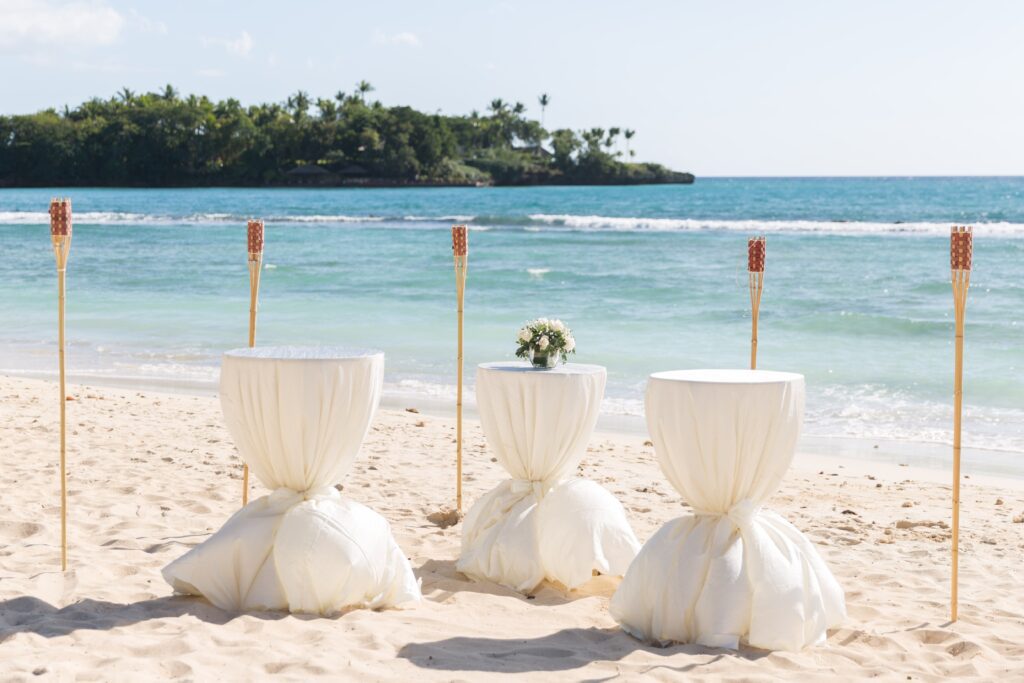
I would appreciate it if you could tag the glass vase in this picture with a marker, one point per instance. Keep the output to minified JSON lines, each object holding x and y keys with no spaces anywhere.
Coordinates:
{"x":545,"y":360}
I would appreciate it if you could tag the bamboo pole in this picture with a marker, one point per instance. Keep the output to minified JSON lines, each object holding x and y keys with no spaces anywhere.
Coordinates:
{"x":60,"y":236}
{"x":254,"y":233}
{"x":460,"y":250}
{"x":961,"y":252}
{"x":254,"y":294}
{"x":61,"y":293}
{"x":755,"y":273}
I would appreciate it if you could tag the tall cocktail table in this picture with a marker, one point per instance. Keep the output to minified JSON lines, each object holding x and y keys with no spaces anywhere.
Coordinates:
{"x":298,"y":416}
{"x":542,"y":522}
{"x":730,"y":571}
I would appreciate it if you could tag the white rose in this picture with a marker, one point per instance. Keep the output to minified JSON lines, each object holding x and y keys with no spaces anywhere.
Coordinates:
{"x":570,"y":344}
{"x":543,"y":343}
{"x":525,"y":335}
{"x":558,"y":326}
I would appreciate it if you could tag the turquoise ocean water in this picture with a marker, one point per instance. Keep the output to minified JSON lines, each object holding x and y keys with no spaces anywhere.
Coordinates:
{"x":857,"y":293}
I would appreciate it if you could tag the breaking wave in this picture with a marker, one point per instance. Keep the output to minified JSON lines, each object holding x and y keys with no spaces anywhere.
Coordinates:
{"x":537,"y":222}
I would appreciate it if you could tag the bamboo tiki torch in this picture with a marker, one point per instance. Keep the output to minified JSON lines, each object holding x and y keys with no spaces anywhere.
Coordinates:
{"x":961,"y":248}
{"x":460,"y":248}
{"x":60,"y":235}
{"x":756,"y":247}
{"x":255,"y":235}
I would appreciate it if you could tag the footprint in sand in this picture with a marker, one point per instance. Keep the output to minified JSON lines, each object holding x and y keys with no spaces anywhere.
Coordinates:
{"x":963,"y":649}
{"x":444,"y":518}
{"x":930,"y":636}
{"x":909,"y":524}
{"x":19,"y":530}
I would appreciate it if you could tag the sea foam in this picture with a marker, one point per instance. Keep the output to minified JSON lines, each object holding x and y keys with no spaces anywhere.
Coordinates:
{"x":536,"y":222}
{"x":637,"y":224}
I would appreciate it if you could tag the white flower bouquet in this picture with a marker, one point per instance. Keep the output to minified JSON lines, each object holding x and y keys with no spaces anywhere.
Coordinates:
{"x":545,"y":342}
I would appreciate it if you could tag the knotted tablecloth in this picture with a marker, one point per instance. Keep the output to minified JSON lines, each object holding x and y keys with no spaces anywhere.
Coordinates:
{"x":298,"y":416}
{"x":543,"y":523}
{"x":731,"y":571}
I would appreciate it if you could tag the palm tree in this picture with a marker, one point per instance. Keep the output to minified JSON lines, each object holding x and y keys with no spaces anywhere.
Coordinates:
{"x":328,"y":109}
{"x":629,"y":136}
{"x":544,"y":102}
{"x":519,"y":108}
{"x":127,"y":96}
{"x":170,"y":93}
{"x":298,"y":104}
{"x":497,"y":106}
{"x":593,"y":139}
{"x":612,"y":134}
{"x":364,"y":87}
{"x":340,"y":96}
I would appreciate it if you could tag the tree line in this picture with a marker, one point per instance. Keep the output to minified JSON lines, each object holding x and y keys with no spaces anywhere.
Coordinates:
{"x":161,"y":139}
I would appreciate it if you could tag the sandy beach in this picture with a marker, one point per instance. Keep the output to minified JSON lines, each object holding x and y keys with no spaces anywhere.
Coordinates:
{"x":153,"y":474}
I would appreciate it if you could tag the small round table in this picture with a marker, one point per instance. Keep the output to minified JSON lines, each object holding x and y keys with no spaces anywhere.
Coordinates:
{"x":298,"y":416}
{"x":543,"y":523}
{"x":730,"y":572}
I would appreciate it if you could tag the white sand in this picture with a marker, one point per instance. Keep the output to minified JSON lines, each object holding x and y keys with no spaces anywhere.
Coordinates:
{"x":151,"y":475}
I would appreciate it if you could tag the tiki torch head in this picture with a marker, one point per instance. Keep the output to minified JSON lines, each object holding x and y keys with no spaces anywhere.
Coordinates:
{"x":255,"y":240}
{"x":961,"y":247}
{"x":460,"y":243}
{"x":60,"y":229}
{"x":755,"y":254}
{"x":60,"y":217}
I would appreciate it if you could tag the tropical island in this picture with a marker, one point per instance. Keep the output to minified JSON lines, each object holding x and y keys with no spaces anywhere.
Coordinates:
{"x":161,"y":139}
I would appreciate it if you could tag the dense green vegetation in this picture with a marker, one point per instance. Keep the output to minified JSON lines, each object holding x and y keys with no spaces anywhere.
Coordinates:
{"x":163,"y":139}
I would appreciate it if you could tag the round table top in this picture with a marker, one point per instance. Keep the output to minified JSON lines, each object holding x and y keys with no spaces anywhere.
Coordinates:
{"x":733,"y":377}
{"x":301,"y":353}
{"x":526,"y":367}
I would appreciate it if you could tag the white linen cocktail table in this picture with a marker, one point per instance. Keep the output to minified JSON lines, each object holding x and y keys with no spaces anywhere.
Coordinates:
{"x":298,"y":416}
{"x":543,"y":523}
{"x":730,"y":571}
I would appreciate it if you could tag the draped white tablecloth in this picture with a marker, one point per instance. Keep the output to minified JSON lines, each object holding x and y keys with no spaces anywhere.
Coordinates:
{"x":543,"y":523}
{"x":731,"y":571}
{"x":298,"y":416}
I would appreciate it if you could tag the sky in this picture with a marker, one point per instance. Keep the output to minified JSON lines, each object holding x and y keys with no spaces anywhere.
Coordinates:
{"x":737,"y":88}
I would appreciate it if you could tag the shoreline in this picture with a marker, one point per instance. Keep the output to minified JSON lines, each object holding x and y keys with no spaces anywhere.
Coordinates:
{"x":383,"y":183}
{"x":930,"y":457}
